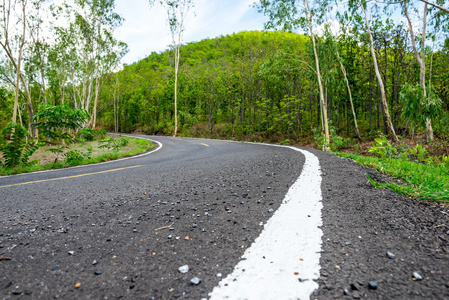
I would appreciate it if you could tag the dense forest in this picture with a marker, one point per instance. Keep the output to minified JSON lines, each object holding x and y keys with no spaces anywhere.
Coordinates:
{"x":275,"y":86}
{"x":258,"y":83}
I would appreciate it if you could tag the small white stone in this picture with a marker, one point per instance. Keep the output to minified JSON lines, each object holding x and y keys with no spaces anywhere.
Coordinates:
{"x":183,"y":269}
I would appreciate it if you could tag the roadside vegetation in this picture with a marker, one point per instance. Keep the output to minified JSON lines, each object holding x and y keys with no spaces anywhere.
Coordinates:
{"x":421,"y":175}
{"x":61,"y":143}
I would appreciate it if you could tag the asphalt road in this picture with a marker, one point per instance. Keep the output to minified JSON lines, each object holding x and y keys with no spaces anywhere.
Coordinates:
{"x":121,"y":230}
{"x":213,"y":198}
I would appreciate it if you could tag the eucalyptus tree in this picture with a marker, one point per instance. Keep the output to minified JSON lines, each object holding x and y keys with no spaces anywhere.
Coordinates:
{"x":436,"y":5}
{"x":362,"y":4}
{"x":295,"y":14}
{"x":38,"y":49}
{"x":89,"y":44}
{"x":17,"y":20}
{"x":420,"y":57}
{"x":177,"y":12}
{"x":344,"y":33}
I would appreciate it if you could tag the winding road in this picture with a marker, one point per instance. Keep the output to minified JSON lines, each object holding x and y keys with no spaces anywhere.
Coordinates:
{"x":251,"y":221}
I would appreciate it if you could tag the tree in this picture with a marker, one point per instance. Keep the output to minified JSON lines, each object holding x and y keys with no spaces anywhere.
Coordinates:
{"x":13,"y":41}
{"x":421,"y":58}
{"x":87,"y":49}
{"x":362,"y":6}
{"x":288,"y":15}
{"x":177,"y":11}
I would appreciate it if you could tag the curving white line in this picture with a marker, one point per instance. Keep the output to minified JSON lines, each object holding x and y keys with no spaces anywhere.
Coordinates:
{"x":284,"y":260}
{"x":96,"y":164}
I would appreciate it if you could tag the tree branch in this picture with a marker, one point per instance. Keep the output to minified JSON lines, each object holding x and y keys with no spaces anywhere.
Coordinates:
{"x":436,"y":5}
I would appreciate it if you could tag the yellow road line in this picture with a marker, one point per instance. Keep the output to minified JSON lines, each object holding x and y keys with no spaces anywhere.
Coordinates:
{"x":69,"y":177}
{"x":205,"y":145}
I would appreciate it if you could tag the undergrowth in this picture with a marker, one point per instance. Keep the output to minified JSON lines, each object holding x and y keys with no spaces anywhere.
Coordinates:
{"x":76,"y":157}
{"x":420,"y":180}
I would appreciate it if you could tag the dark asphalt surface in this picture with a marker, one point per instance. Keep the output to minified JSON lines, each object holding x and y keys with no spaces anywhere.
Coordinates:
{"x":217,"y":195}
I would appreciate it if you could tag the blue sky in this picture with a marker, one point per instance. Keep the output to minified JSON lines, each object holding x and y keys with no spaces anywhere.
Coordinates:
{"x":145,"y":28}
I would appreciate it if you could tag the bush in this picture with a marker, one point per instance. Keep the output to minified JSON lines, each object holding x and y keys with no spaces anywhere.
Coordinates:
{"x":76,"y":156}
{"x":383,"y":148}
{"x":18,"y":150}
{"x":114,"y":144}
{"x":86,"y":134}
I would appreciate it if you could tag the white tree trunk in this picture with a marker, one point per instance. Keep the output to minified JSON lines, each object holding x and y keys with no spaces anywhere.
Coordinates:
{"x":379,"y":77}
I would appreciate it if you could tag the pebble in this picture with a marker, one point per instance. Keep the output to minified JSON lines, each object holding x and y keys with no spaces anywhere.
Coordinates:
{"x":169,"y":237}
{"x":97,"y":272}
{"x":345,"y":292}
{"x":71,"y":252}
{"x":17,"y":292}
{"x":194,"y":225}
{"x":391,"y":255}
{"x":372,"y":285}
{"x":183,"y":269}
{"x":417,"y":276}
{"x":348,"y":243}
{"x":195,"y":281}
{"x":94,"y":262}
{"x":447,"y":232}
{"x":270,"y":210}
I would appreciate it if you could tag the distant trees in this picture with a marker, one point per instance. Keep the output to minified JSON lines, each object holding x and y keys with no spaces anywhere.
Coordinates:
{"x":264,"y":85}
{"x":177,"y":11}
{"x":359,"y":81}
{"x":71,"y":68}
{"x":290,"y":15}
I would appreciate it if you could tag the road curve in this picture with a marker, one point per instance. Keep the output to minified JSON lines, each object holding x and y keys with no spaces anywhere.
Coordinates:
{"x":124,"y":228}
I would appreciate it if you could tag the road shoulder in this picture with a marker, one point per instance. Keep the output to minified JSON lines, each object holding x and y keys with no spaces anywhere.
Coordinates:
{"x":361,"y":223}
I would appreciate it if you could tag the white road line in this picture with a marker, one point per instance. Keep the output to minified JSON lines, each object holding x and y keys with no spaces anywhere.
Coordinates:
{"x":284,"y":260}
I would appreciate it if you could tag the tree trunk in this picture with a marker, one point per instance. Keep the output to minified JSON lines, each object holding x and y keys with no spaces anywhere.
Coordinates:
{"x":356,"y":128}
{"x":320,"y":84}
{"x":421,"y":61}
{"x":379,"y":78}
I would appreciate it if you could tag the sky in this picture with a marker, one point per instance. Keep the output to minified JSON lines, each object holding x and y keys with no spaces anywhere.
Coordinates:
{"x":145,"y":28}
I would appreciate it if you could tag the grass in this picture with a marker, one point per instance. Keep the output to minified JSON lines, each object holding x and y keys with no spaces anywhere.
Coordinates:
{"x":47,"y":160}
{"x":419,"y":180}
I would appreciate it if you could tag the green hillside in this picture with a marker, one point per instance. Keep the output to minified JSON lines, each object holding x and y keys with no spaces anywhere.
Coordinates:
{"x":261,"y":86}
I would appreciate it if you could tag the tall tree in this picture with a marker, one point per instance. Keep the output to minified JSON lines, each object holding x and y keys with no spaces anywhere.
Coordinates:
{"x":288,"y":15}
{"x":177,"y":11}
{"x":25,"y":16}
{"x":94,"y":52}
{"x":420,"y":57}
{"x":362,"y":5}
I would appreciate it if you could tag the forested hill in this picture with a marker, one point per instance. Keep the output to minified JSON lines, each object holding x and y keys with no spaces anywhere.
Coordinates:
{"x":221,"y":82}
{"x":262,"y":86}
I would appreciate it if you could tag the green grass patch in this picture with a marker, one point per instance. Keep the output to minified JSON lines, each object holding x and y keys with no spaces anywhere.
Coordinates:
{"x":420,"y":180}
{"x":46,"y":160}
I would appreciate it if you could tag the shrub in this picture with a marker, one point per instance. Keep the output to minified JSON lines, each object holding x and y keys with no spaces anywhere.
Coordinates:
{"x":18,"y":150}
{"x":114,"y":144}
{"x":75,"y":156}
{"x":86,"y":133}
